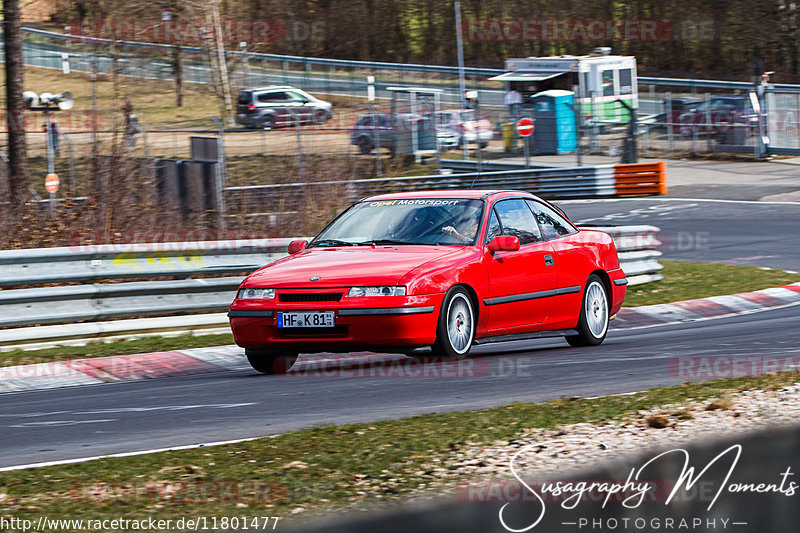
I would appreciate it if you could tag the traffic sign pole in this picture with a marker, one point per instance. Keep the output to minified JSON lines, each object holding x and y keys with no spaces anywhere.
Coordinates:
{"x":525,"y":129}
{"x":527,"y":151}
{"x":50,"y":165}
{"x":51,"y":184}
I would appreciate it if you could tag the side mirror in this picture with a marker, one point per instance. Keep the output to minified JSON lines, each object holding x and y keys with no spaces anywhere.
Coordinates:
{"x":296,"y":246}
{"x":504,"y":243}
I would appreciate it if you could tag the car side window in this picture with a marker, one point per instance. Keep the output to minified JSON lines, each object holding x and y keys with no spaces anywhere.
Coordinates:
{"x":296,"y":97}
{"x":494,"y":228}
{"x":717,"y":105}
{"x":272,"y":97}
{"x":552,"y":224}
{"x":517,"y":220}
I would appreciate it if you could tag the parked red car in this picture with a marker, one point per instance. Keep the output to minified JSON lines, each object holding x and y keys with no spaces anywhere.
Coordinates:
{"x":445,"y":269}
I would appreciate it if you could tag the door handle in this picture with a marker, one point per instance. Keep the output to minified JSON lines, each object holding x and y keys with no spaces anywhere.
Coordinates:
{"x":548,"y":260}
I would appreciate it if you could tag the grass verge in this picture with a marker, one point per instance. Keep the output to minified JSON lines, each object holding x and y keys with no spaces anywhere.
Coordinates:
{"x":687,"y":281}
{"x":316,"y":469}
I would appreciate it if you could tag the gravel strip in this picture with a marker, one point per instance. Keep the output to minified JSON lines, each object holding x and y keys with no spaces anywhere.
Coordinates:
{"x":577,"y":446}
{"x":561,"y":451}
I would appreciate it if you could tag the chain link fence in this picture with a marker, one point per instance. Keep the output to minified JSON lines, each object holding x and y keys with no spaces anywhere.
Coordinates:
{"x":665,"y":123}
{"x":354,"y":144}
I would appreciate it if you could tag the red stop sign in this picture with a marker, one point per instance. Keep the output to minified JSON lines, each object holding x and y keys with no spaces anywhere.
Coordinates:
{"x":525,"y":127}
{"x":51,"y":183}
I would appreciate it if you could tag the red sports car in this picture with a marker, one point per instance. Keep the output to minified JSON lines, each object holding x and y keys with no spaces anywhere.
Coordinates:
{"x":446,"y":269}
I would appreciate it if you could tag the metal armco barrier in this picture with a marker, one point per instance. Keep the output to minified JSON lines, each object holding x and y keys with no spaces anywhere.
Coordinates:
{"x":140,"y":260}
{"x":628,"y":179}
{"x":318,"y":62}
{"x":79,"y":303}
{"x":640,"y":178}
{"x":637,"y":247}
{"x":102,"y":301}
{"x":579,"y":182}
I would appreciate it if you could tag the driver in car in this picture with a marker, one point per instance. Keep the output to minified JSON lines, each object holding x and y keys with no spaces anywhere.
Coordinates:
{"x":466,"y":235}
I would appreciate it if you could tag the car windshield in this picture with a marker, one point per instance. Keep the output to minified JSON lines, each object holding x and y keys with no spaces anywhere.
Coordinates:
{"x":403,"y":221}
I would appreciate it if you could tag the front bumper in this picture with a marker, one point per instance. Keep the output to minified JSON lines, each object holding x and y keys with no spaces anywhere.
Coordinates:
{"x":369,"y":323}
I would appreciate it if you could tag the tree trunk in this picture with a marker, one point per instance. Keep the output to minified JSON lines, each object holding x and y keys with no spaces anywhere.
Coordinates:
{"x":18,"y":171}
{"x":177,"y":66}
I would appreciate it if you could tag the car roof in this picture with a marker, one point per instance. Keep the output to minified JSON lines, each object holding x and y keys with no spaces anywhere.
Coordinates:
{"x":467,"y":194}
{"x":732,"y":99}
{"x":271,"y":88}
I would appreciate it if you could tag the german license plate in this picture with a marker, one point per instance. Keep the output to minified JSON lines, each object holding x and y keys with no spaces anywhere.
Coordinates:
{"x":314,"y":319}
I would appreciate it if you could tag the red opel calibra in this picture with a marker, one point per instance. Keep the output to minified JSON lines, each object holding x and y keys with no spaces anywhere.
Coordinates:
{"x":446,"y":269}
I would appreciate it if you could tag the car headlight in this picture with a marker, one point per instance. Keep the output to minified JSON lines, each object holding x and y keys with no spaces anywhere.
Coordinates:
{"x":383,"y":290}
{"x":264,"y":294}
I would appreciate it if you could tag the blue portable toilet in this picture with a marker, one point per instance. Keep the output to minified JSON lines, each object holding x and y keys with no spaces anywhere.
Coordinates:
{"x":556,"y":128}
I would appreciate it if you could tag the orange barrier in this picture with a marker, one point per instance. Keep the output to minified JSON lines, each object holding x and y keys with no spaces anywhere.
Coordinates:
{"x":640,"y":178}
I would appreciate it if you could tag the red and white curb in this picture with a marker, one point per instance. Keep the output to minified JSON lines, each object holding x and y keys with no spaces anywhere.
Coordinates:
{"x":119,"y":368}
{"x":705,"y":308}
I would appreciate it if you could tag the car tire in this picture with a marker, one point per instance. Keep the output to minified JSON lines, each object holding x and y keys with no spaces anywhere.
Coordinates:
{"x":593,"y":322}
{"x":483,"y":144}
{"x":270,"y":362}
{"x":364,"y":146}
{"x":267,"y":123}
{"x":455,"y":330}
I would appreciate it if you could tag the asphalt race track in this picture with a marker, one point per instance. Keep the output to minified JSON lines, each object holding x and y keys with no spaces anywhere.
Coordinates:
{"x":78,"y":422}
{"x":112,"y":418}
{"x":736,"y":232}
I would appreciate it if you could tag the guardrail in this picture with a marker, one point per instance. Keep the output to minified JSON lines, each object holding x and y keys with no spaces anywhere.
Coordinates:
{"x":637,"y":247}
{"x":25,"y":312}
{"x":555,"y":182}
{"x":628,"y":179}
{"x":139,"y":260}
{"x":382,"y":65}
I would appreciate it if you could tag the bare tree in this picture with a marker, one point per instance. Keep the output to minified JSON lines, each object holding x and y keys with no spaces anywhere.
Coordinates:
{"x":18,"y":171}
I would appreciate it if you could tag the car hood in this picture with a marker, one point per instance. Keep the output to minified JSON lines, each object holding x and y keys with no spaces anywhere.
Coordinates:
{"x":346,"y":266}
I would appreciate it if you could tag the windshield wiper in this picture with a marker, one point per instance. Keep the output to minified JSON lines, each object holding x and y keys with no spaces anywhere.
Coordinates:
{"x":333,"y":242}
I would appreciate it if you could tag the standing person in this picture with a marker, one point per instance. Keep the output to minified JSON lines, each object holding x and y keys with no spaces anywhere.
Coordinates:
{"x":51,"y":128}
{"x":132,"y":131}
{"x":513,"y":100}
{"x":127,"y":110}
